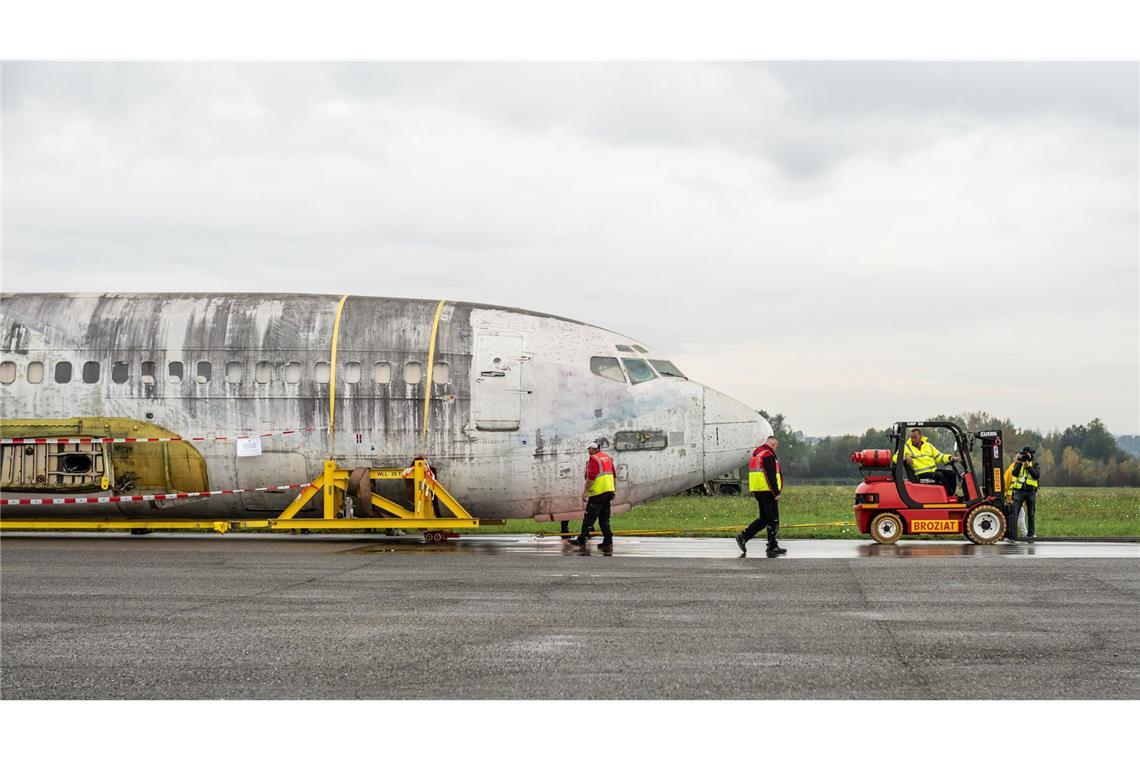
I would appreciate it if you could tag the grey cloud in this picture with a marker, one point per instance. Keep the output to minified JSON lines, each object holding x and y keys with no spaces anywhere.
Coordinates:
{"x":826,"y":199}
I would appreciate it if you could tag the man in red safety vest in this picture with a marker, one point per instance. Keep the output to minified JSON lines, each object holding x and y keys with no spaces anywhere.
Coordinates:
{"x":598,"y":495}
{"x":766,"y":483}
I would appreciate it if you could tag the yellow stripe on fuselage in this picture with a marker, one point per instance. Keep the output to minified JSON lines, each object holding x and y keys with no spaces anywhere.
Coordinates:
{"x":332,"y":370}
{"x":430,"y":364}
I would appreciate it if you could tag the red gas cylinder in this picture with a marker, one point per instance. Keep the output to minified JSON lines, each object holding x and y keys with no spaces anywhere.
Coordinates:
{"x":872,"y":458}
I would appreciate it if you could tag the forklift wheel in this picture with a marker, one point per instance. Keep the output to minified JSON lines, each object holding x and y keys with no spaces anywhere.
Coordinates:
{"x":985,"y":525}
{"x":886,"y":528}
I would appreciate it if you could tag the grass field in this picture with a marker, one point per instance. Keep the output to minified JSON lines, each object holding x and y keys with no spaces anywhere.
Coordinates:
{"x":1083,"y":512}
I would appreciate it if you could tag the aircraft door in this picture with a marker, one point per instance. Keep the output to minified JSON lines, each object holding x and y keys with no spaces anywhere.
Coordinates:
{"x":498,"y":381}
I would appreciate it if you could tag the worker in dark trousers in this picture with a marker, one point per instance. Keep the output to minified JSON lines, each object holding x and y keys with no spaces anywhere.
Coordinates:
{"x":1026,"y":473}
{"x":598,"y":495}
{"x":766,"y":483}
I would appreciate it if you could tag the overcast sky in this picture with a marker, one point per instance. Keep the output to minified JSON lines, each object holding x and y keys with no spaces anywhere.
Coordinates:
{"x":848,"y":243}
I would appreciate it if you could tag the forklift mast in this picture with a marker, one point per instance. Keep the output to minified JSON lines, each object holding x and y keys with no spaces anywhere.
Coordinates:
{"x":993,"y":465}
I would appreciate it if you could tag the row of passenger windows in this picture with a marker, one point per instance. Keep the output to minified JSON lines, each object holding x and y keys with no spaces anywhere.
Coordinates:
{"x":639,"y":370}
{"x":263,"y":372}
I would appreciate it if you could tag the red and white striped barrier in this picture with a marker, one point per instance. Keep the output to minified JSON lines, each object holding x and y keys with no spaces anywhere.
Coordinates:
{"x":147,"y":497}
{"x":160,"y":440}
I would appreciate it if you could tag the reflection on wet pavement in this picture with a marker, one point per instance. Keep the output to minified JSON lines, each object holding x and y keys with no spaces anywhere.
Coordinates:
{"x":726,"y":548}
{"x":627,"y":546}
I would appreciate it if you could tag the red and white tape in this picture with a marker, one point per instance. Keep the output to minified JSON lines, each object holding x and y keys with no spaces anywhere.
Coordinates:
{"x":88,"y":439}
{"x":147,"y":497}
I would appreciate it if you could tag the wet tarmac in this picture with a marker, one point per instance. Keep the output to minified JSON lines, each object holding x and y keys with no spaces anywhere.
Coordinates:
{"x":659,"y":547}
{"x":255,"y":616}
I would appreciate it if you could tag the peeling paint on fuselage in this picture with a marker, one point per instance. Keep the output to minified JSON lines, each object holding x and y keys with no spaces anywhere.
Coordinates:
{"x":532,"y":470}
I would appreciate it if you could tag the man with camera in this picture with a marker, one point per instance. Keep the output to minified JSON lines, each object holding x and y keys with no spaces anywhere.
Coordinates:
{"x":1026,"y":473}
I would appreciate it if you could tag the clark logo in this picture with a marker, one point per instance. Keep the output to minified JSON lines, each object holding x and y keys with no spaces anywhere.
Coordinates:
{"x":934,"y":526}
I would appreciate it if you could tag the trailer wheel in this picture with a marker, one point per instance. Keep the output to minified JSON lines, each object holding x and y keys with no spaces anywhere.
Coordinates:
{"x":886,"y":528}
{"x":985,"y":525}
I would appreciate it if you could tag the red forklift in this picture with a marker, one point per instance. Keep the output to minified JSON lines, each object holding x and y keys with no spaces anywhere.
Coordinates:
{"x":892,"y":502}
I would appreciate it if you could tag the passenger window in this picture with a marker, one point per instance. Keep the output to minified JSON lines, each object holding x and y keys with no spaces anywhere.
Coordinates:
{"x":148,"y":373}
{"x":352,"y":372}
{"x":293,"y":372}
{"x":205,"y":372}
{"x":639,"y":371}
{"x":233,"y":372}
{"x":35,"y":372}
{"x":322,"y":372}
{"x":667,"y":369}
{"x":263,"y":372}
{"x":119,"y":373}
{"x":624,"y":349}
{"x":382,"y":373}
{"x":63,"y":372}
{"x":174,"y":372}
{"x":91,"y":372}
{"x":640,"y":349}
{"x":441,"y":373}
{"x":607,"y":367}
{"x":7,"y":372}
{"x":413,"y":373}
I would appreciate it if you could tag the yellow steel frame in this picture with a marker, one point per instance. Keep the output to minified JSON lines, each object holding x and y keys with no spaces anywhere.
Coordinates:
{"x":332,"y":483}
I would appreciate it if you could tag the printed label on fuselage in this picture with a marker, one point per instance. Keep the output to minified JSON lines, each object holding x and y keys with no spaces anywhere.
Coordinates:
{"x":935,"y":526}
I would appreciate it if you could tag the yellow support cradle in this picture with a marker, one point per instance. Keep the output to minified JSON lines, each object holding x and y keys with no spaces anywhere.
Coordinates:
{"x":332,"y":483}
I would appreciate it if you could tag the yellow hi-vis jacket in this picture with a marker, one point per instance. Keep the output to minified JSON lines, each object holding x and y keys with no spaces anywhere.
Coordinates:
{"x":924,"y":458}
{"x":757,"y":477}
{"x":1023,"y":479}
{"x":603,"y":481}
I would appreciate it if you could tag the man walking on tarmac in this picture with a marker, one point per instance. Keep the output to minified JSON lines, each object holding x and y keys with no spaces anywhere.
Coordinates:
{"x":598,"y":495}
{"x":1024,"y":489}
{"x":766,"y":483}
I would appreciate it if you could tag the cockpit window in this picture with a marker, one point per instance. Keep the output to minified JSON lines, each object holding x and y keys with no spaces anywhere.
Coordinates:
{"x":607,"y":367}
{"x":626,"y":349}
{"x":640,"y":349}
{"x":667,"y":369}
{"x":639,"y":371}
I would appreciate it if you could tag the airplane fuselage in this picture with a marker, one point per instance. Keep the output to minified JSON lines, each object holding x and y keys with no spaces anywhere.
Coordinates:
{"x":502,"y":401}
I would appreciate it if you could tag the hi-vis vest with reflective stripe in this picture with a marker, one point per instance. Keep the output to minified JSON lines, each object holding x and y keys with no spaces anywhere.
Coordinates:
{"x":923,"y":458}
{"x":604,"y":482}
{"x":757,"y":478}
{"x":1024,"y":480}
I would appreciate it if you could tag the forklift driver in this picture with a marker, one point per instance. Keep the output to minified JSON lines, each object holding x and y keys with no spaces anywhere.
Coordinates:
{"x":922,"y":461}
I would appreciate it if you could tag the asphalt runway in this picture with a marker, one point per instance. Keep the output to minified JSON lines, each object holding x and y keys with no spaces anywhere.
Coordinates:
{"x":256,"y":616}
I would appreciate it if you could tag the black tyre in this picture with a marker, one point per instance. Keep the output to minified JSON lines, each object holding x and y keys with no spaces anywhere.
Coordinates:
{"x":886,"y":528}
{"x":985,"y":525}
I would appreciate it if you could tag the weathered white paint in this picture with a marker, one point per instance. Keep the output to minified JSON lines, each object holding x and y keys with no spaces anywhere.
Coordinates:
{"x":534,"y":471}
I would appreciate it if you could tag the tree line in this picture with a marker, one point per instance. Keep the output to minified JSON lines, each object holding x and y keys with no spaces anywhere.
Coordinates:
{"x":1080,"y":455}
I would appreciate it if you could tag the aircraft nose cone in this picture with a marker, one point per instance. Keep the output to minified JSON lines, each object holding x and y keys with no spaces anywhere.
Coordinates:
{"x":732,"y":431}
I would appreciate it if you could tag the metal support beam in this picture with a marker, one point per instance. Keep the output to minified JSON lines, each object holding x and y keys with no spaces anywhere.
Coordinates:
{"x":332,"y":484}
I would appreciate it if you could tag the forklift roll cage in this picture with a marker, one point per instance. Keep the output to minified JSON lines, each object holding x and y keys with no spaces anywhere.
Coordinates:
{"x":990,"y":487}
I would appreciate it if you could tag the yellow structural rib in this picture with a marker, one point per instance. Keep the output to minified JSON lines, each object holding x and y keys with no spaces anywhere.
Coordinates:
{"x":430,"y":365}
{"x":332,"y":370}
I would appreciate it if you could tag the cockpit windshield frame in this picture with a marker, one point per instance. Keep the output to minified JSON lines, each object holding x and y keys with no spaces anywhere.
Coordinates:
{"x":666,"y":368}
{"x":607,"y":367}
{"x":638,"y":370}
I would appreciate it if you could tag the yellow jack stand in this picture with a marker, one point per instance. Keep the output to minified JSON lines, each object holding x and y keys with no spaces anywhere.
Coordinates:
{"x":333,"y":482}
